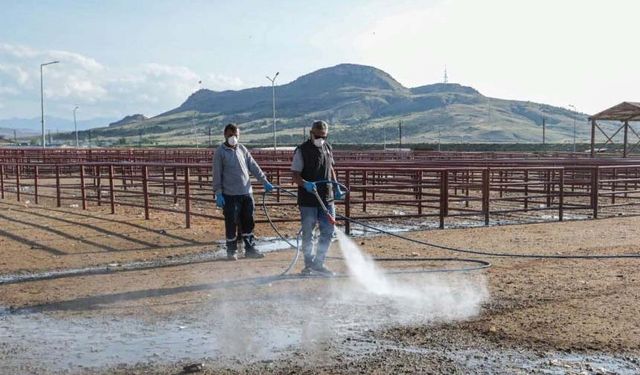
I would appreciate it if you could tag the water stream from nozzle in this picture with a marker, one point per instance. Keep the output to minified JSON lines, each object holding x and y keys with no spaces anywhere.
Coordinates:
{"x":422,"y":296}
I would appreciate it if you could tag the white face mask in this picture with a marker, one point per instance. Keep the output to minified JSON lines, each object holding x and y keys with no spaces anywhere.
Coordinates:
{"x":319,"y":142}
{"x":233,"y":140}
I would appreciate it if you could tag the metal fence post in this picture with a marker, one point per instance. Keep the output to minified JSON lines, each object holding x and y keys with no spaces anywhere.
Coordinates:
{"x":58,"y":195}
{"x":347,"y":203}
{"x":595,"y":182}
{"x":446,"y":192}
{"x":548,"y":188}
{"x":561,"y":195}
{"x":420,"y":180}
{"x":111,"y":192}
{"x":83,"y":194}
{"x":526,"y":190}
{"x":373,"y":182}
{"x":175,"y":185}
{"x":614,"y":186}
{"x":466,"y":190}
{"x":187,"y":198}
{"x":278,"y":183}
{"x":18,"y":182}
{"x":124,"y":177}
{"x":364,"y":191}
{"x":485,"y":195}
{"x":2,"y":180}
{"x":145,"y":190}
{"x":443,"y":193}
{"x":35,"y":183}
{"x":164,"y":172}
{"x":98,"y":184}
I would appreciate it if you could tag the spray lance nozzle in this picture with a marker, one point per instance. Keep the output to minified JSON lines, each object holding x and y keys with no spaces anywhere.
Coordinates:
{"x":324,"y":208}
{"x":331,"y":217}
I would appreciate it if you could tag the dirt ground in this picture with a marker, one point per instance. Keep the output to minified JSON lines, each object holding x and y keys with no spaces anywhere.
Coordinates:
{"x":540,"y":316}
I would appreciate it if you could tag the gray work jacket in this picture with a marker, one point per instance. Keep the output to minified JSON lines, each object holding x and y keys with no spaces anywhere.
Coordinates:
{"x":231,"y":167}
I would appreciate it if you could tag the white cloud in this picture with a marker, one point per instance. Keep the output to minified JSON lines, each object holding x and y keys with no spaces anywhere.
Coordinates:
{"x":100,"y":90}
{"x":558,"y":52}
{"x":221,"y":82}
{"x":7,"y":91}
{"x":21,"y":52}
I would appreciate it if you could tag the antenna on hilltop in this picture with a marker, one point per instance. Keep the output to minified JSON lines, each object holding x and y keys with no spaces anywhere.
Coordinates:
{"x":446,"y":77}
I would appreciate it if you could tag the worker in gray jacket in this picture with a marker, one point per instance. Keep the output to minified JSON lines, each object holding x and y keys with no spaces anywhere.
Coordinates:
{"x":232,"y":164}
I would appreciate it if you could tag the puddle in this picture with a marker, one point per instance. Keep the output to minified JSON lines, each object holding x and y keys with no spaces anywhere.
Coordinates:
{"x":512,"y":360}
{"x":360,"y":231}
{"x":232,"y":332}
{"x":552,"y":363}
{"x":85,"y":343}
{"x":271,"y":244}
{"x":454,"y":223}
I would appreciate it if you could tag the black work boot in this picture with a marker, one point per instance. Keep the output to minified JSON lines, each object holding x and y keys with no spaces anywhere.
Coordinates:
{"x":250,"y":250}
{"x":232,"y":249}
{"x":322,"y":270}
{"x":308,"y":267}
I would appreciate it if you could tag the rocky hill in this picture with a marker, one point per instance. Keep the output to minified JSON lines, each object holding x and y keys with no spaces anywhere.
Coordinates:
{"x":364,"y":105}
{"x":128,"y":120}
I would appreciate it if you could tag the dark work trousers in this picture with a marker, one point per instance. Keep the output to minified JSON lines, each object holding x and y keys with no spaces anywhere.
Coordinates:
{"x":238,"y":214}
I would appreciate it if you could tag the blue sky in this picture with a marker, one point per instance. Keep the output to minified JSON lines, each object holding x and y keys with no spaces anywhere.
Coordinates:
{"x":123,"y":57}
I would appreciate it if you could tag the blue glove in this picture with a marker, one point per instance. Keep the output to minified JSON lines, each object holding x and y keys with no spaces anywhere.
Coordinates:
{"x":309,"y":186}
{"x":268,"y":187}
{"x":219,"y":200}
{"x":338,"y":194}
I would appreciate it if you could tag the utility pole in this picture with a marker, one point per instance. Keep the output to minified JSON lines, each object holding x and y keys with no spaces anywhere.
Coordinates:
{"x":574,"y":125}
{"x":273,"y":100}
{"x":42,"y":100}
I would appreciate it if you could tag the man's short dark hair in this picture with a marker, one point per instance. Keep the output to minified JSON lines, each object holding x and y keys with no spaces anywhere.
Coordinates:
{"x":320,"y":125}
{"x":230,"y":127}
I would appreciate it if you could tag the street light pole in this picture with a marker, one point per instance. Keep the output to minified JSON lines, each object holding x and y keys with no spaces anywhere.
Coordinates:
{"x":574,"y":125}
{"x":273,"y":100}
{"x":44,"y":141}
{"x":75,"y":125}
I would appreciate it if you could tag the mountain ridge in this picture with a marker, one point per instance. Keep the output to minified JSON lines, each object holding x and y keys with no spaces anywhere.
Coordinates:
{"x":363,"y":104}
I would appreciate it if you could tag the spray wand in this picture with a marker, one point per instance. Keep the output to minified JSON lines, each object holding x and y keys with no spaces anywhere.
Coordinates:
{"x":330,"y":216}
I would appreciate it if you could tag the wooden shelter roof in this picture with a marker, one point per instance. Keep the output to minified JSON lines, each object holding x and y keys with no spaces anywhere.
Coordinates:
{"x":625,"y":111}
